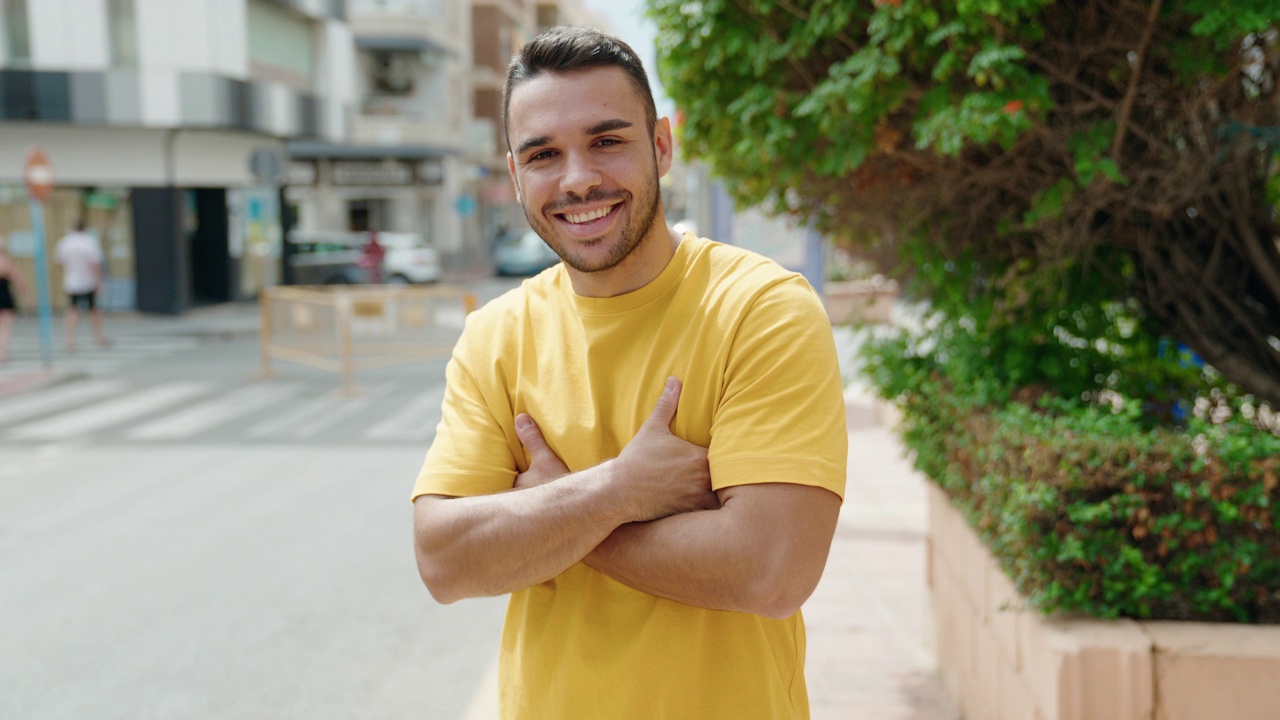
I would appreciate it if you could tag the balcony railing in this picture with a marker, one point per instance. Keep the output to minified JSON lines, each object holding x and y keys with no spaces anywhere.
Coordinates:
{"x":427,"y":8}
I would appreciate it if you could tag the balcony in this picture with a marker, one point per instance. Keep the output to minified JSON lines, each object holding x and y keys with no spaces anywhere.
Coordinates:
{"x":408,"y":24}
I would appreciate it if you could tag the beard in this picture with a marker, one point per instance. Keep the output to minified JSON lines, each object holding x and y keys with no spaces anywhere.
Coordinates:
{"x":644,"y":211}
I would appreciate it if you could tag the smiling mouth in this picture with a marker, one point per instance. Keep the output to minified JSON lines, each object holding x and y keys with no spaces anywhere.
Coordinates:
{"x":586,"y":217}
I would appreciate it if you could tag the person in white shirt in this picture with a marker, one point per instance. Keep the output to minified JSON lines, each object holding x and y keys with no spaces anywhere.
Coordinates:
{"x":81,"y":259}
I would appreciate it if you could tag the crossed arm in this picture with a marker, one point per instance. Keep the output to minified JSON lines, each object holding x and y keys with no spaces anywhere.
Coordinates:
{"x":647,"y":518}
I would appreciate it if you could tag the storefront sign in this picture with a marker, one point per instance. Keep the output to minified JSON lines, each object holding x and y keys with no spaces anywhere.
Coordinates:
{"x":371,"y":173}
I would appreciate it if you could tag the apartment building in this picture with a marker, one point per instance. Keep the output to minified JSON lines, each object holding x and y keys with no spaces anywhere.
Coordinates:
{"x":405,"y":167}
{"x":154,"y":115}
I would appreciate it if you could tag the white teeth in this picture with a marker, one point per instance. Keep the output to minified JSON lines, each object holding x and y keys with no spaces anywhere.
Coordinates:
{"x":579,"y":218}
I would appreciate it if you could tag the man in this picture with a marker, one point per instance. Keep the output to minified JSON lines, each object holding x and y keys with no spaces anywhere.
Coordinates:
{"x":81,"y":259}
{"x":644,"y":445}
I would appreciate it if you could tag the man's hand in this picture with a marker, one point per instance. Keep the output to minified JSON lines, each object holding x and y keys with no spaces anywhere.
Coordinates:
{"x":544,"y":464}
{"x":660,"y":473}
{"x":664,"y":474}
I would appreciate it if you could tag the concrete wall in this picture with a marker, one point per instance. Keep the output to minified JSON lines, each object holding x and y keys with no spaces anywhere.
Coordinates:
{"x":1000,"y":660}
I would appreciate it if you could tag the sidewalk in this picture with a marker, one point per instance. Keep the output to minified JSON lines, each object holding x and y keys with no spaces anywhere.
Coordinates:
{"x":870,"y":646}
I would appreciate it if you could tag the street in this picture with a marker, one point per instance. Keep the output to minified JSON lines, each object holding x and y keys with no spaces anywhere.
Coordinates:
{"x":180,"y":537}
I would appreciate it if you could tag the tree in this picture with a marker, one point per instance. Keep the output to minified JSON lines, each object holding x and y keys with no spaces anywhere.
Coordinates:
{"x":1068,"y":181}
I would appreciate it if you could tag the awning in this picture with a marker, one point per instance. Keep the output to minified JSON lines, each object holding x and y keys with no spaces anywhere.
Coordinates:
{"x":311,"y":150}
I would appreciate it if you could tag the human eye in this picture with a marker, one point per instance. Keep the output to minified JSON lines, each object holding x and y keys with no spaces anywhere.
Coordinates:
{"x":541,"y":155}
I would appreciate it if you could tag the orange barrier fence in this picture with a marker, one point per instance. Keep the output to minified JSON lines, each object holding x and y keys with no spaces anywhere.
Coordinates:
{"x":344,"y":328}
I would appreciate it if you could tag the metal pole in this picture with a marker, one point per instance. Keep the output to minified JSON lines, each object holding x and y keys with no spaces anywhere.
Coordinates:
{"x":264,"y":331}
{"x":42,"y":283}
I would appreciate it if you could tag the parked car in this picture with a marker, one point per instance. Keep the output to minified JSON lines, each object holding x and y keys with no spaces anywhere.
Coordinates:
{"x":409,"y":259}
{"x":324,"y":258}
{"x":526,"y":255}
{"x":333,"y":258}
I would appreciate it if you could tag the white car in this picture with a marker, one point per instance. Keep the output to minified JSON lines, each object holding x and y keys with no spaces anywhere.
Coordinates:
{"x":409,"y":259}
{"x":334,"y":258}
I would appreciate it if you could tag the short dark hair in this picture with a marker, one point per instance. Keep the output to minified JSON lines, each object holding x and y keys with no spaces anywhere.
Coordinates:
{"x":567,"y":49}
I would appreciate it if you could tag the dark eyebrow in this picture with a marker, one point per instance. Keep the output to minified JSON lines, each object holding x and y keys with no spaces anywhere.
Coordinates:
{"x":532,"y":143}
{"x":600,"y":127}
{"x":608,"y":126}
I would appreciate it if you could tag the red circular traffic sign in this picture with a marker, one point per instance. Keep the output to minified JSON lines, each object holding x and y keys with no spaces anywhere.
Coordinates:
{"x":39,"y":175}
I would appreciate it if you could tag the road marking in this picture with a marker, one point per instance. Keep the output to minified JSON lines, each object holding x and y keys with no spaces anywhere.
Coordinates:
{"x":186,"y":423}
{"x":44,"y":402}
{"x":315,"y":416}
{"x":415,"y":421}
{"x":104,"y":414}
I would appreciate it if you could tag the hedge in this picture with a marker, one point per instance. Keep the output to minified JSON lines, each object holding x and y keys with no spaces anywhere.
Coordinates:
{"x":1091,"y":510}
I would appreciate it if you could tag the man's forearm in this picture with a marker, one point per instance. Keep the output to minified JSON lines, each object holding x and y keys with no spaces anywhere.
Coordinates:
{"x":496,"y":544}
{"x":761,"y":554}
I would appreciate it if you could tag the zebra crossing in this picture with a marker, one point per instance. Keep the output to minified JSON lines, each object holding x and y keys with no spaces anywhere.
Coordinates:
{"x":119,"y":410}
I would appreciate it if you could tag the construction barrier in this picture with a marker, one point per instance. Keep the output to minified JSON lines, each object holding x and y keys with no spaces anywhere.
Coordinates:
{"x":345,"y":328}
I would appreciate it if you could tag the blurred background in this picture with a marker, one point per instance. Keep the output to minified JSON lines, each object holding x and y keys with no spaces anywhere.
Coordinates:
{"x":195,"y":136}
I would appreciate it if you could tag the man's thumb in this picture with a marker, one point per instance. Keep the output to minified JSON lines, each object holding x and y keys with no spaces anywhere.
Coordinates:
{"x":665,"y":411}
{"x":530,"y":434}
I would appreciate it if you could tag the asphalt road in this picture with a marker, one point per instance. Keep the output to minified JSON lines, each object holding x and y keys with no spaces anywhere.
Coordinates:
{"x":168,"y":553}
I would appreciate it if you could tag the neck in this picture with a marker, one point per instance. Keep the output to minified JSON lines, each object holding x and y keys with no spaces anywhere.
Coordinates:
{"x":639,"y":268}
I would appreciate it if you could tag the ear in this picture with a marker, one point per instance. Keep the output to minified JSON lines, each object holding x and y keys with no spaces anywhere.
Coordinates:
{"x":663,"y":146}
{"x":511,"y":170}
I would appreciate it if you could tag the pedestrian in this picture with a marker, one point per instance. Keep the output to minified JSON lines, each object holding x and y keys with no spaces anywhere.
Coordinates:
{"x":11,"y":285}
{"x":81,"y":258}
{"x":371,"y":256}
{"x":645,"y":444}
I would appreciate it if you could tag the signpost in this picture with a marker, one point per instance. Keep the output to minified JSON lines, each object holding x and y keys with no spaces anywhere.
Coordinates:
{"x":39,"y":176}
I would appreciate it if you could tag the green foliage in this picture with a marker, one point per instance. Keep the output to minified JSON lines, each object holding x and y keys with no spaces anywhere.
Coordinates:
{"x":1089,"y":510}
{"x":1056,"y":180}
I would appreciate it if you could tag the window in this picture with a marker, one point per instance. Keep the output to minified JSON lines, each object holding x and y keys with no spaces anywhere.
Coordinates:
{"x":281,"y":45}
{"x":123,"y":29}
{"x":17,"y":33}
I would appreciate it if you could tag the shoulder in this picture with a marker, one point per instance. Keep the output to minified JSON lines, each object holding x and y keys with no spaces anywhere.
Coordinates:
{"x":736,"y":280}
{"x":502,"y":318}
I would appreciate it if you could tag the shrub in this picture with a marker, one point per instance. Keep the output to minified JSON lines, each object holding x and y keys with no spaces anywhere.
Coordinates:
{"x":1089,"y":508}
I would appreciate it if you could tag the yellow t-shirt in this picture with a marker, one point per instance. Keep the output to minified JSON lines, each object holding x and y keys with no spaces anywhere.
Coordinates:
{"x":762,"y":391}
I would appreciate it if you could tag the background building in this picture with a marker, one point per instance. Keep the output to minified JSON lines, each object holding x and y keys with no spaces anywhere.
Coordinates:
{"x":193,"y":135}
{"x":402,"y":168}
{"x":151,"y":112}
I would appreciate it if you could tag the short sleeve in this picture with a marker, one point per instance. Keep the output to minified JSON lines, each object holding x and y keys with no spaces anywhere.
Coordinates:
{"x":471,"y":453}
{"x":781,"y":417}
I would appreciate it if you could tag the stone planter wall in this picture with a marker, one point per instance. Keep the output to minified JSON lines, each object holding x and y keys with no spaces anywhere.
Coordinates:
{"x":1002,"y":661}
{"x":859,"y":301}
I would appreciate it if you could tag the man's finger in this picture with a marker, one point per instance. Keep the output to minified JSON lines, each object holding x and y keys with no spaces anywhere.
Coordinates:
{"x":530,"y":434}
{"x":665,"y":411}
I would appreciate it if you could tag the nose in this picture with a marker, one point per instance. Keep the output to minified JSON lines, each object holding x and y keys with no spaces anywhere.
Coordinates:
{"x":581,"y":175}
